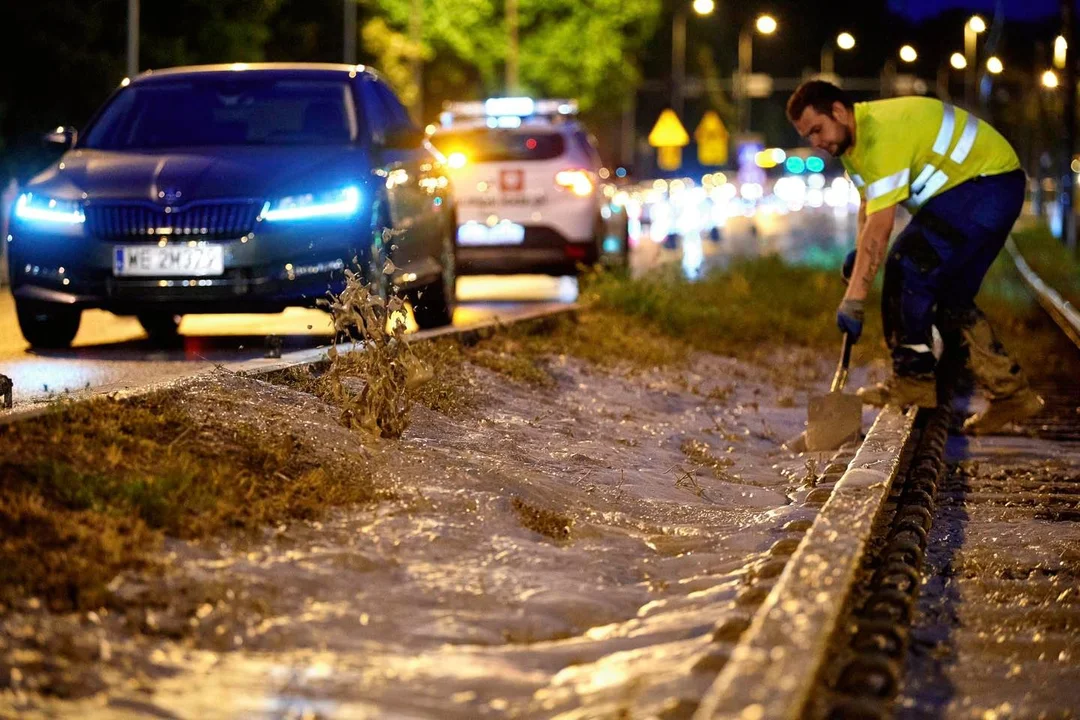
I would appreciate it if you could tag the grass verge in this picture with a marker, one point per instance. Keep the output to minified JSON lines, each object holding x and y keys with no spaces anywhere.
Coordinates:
{"x":1025,"y":329}
{"x":90,"y":488}
{"x":745,"y":310}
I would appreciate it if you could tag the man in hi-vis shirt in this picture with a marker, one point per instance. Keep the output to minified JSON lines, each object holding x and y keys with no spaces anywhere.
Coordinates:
{"x":962,"y":182}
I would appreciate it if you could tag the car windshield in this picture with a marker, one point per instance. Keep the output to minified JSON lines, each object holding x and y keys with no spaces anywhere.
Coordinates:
{"x":488,"y":145}
{"x":228,"y":110}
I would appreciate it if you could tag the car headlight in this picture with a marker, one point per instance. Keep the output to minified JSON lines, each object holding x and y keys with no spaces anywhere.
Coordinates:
{"x":41,"y":209}
{"x":344,"y":202}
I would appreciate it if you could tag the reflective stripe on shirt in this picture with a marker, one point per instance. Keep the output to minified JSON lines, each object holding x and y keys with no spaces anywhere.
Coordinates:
{"x":936,"y":181}
{"x":930,"y":179}
{"x":966,"y":141}
{"x":887,"y":184}
{"x":944,"y":136}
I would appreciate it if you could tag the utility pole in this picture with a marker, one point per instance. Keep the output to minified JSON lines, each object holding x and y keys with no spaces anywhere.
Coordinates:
{"x":133,"y":39}
{"x":416,"y":36}
{"x":350,"y":32}
{"x":512,"y":83}
{"x":629,"y":129}
{"x":678,"y":58}
{"x":1068,"y":218}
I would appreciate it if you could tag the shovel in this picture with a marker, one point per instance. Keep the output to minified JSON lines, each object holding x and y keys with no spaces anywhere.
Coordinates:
{"x":835,"y":418}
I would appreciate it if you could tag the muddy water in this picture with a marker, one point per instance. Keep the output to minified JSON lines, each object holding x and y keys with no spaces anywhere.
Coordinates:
{"x":439,"y":603}
{"x":997,"y":633}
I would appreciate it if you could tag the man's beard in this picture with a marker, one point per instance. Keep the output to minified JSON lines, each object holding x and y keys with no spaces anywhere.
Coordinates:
{"x":844,"y":144}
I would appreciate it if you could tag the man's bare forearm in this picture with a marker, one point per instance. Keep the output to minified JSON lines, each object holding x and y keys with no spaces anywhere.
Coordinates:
{"x":871,"y":246}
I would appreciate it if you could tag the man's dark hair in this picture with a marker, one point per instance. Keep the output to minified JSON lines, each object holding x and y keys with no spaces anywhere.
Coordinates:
{"x":817,"y":94}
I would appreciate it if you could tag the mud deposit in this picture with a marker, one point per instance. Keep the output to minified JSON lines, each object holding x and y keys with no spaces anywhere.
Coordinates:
{"x":589,"y":549}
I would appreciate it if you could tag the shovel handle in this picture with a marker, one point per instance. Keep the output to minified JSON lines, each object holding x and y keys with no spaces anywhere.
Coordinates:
{"x":840,"y":378}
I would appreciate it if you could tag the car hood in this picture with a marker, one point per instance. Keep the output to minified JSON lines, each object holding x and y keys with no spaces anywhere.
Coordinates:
{"x":182,"y":177}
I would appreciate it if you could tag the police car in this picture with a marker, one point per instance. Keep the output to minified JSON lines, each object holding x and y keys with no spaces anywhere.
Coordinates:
{"x":530,"y":187}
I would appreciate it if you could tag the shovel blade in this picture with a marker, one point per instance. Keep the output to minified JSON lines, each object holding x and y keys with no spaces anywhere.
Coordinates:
{"x":833,"y":420}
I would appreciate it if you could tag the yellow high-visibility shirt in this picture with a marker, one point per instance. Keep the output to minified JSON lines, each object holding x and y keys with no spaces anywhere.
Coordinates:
{"x":909,"y":149}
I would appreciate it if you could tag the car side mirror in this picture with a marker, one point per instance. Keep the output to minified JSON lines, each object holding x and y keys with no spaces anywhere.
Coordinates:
{"x":62,"y":136}
{"x":406,"y":138}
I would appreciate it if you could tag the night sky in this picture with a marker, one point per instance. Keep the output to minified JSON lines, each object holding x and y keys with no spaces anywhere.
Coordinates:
{"x":918,"y":10}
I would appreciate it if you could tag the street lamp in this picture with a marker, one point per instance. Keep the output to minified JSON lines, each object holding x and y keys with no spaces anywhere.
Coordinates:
{"x":994,"y":65}
{"x":1049,"y":80}
{"x":678,"y":48}
{"x":1061,"y":49}
{"x":972,"y":28}
{"x":766,"y":25}
{"x":958,"y":61}
{"x":844,"y":41}
{"x":908,"y":54}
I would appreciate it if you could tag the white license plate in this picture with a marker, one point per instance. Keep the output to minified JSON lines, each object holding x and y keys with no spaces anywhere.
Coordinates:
{"x":200,"y":260}
{"x":501,"y":233}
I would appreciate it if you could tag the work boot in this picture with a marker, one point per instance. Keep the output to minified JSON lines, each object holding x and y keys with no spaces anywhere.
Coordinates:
{"x":902,"y":390}
{"x":1017,"y":407}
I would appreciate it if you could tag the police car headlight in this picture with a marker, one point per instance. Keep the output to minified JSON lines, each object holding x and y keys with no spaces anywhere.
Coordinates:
{"x":48,"y":211}
{"x":341,"y":203}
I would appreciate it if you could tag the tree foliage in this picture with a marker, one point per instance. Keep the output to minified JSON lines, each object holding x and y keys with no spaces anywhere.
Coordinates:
{"x":567,"y":48}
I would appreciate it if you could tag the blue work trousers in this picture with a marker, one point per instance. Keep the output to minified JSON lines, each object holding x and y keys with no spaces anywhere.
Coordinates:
{"x":936,"y":265}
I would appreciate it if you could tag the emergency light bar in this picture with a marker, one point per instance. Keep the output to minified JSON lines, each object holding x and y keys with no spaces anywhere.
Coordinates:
{"x":507,"y":111}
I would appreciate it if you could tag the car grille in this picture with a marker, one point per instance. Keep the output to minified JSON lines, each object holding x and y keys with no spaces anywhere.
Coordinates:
{"x":217,"y":220}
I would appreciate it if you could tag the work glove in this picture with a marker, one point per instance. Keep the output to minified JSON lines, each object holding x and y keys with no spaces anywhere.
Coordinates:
{"x":848,"y":267}
{"x":849,"y":318}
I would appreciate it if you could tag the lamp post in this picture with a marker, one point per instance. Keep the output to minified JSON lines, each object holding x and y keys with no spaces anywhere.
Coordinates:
{"x":765,"y":25}
{"x":972,"y":28}
{"x":1068,"y":219}
{"x":133,"y":39}
{"x":350,"y":32}
{"x":844,"y":41}
{"x":678,"y":49}
{"x":512,"y":72}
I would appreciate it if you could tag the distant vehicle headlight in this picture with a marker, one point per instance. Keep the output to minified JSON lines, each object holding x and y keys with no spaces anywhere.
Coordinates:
{"x":344,"y":202}
{"x":46,"y":210}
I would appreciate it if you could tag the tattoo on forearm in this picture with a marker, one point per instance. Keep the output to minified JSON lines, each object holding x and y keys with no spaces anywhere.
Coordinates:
{"x":875,"y":255}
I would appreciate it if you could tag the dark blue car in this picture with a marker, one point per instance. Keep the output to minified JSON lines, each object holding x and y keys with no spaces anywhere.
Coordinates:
{"x":233,"y":188}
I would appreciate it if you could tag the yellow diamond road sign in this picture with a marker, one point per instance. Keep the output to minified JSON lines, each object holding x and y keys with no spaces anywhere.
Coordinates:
{"x":668,"y":131}
{"x":712,"y":140}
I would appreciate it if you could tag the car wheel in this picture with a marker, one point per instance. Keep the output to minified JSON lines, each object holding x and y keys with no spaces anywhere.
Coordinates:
{"x":162,"y":327}
{"x":433,"y":304}
{"x":47,"y":325}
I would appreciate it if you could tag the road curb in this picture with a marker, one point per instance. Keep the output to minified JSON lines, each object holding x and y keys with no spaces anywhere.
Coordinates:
{"x":777,"y":662}
{"x":259,"y":367}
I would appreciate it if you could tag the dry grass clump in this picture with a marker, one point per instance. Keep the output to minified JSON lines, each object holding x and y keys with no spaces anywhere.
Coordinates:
{"x":700,"y":453}
{"x":540,"y":520}
{"x":608,"y":339}
{"x":452,"y":389}
{"x":88,"y":489}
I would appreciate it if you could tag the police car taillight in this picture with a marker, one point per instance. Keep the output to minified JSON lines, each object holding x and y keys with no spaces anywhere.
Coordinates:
{"x":578,"y":182}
